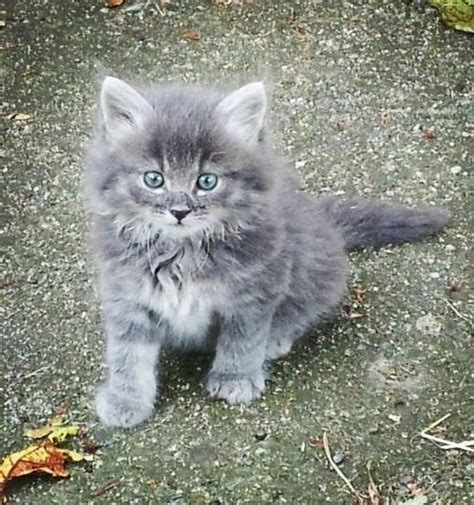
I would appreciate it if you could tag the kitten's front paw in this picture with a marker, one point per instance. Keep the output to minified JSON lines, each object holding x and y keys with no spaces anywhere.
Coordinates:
{"x":121,"y":411}
{"x":235,"y":388}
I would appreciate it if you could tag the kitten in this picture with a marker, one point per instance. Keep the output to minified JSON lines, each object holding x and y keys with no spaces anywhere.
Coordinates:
{"x":205,"y":241}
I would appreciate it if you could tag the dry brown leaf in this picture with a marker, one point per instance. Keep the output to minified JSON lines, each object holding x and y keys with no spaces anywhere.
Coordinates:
{"x":354,"y":307}
{"x":90,"y":446}
{"x":395,"y":418}
{"x":315,"y":442}
{"x":55,"y":429}
{"x":114,"y":3}
{"x":40,"y":432}
{"x":60,"y":433}
{"x":153,"y":484}
{"x":20,"y":117}
{"x":415,"y":489}
{"x":454,"y":285}
{"x":191,"y":35}
{"x":358,"y":295}
{"x":301,"y":32}
{"x":42,"y":458}
{"x":427,"y":134}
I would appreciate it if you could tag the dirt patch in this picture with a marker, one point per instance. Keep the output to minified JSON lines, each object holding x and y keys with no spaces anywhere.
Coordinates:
{"x":399,"y":375}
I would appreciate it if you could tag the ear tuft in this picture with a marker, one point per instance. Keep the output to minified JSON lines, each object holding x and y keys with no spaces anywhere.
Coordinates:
{"x":123,"y":108}
{"x":243,"y":112}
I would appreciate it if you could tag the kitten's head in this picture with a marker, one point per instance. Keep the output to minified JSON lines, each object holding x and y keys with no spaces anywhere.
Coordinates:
{"x":179,"y":161}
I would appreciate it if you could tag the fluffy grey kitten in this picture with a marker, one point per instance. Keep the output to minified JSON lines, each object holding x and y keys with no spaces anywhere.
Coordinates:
{"x":205,"y":241}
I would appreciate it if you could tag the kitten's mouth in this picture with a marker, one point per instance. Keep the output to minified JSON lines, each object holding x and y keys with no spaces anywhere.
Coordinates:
{"x":180,"y":229}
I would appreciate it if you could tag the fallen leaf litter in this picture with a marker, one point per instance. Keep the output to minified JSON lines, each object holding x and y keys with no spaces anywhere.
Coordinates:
{"x":44,"y":456}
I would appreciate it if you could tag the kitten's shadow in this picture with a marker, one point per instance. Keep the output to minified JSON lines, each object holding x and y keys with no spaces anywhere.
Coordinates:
{"x":307,"y":348}
{"x":184,"y":373}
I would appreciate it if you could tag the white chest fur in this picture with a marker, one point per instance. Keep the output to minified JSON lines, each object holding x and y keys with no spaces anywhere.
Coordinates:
{"x":187,"y":307}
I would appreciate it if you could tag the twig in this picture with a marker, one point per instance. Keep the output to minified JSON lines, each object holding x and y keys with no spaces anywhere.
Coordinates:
{"x":338,"y":470}
{"x":446,"y":444}
{"x":455,"y":310}
{"x":35,"y":372}
{"x":407,"y":370}
{"x":106,"y":487}
{"x":436,"y":423}
{"x":463,"y":380}
{"x":374,"y":494}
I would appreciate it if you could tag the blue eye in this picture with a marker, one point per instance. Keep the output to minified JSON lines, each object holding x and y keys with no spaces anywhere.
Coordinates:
{"x":206,"y":182}
{"x":153,"y":179}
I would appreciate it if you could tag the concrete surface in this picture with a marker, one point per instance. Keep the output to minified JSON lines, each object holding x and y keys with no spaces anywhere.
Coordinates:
{"x":357,"y":88}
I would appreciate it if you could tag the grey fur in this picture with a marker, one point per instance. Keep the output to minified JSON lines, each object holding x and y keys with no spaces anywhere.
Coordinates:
{"x":256,"y":260}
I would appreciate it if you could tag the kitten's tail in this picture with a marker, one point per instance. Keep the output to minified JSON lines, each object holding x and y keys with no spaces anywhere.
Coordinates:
{"x":377,"y":224}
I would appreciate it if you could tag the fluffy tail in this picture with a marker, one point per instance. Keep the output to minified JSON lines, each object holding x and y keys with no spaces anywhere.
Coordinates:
{"x":377,"y":224}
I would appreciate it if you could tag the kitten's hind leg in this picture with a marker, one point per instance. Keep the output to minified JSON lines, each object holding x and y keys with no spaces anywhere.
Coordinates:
{"x":237,"y":374}
{"x":278,"y":347}
{"x":288,"y":325}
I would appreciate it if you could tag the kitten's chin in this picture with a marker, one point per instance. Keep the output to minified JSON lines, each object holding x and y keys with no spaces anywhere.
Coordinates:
{"x":182,"y":231}
{"x":192,"y":229}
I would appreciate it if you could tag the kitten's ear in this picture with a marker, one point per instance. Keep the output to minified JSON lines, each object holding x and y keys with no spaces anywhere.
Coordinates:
{"x":243,"y":112}
{"x":123,"y":108}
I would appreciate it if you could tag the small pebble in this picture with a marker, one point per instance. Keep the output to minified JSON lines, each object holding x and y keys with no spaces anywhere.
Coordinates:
{"x":338,"y":457}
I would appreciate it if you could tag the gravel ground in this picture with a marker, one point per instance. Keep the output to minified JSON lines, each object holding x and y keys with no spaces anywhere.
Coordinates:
{"x":372,"y":97}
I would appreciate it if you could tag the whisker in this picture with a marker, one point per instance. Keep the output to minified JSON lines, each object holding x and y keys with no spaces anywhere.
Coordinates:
{"x":148,"y":250}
